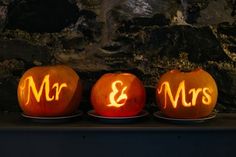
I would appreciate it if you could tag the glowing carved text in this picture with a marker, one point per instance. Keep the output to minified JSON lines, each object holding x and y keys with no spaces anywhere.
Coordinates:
{"x":165,"y":86}
{"x":122,"y":96}
{"x":45,"y":85}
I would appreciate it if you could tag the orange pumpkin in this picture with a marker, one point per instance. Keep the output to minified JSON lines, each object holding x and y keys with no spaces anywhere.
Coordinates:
{"x":186,"y":94}
{"x":118,"y":95}
{"x":49,"y":91}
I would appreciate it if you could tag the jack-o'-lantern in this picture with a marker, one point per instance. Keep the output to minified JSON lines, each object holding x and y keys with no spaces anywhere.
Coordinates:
{"x":48,"y":91}
{"x":118,"y":95}
{"x":187,"y":95}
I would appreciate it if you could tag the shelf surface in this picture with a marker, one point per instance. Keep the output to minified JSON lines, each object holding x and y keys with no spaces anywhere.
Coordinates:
{"x":15,"y":122}
{"x":87,"y":137}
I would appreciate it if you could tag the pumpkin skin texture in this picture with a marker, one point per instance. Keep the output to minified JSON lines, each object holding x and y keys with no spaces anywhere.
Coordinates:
{"x":126,"y":92}
{"x":49,"y":91}
{"x":190,"y":95}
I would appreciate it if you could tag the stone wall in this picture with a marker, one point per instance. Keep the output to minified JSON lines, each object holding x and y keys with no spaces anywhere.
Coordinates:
{"x":145,"y":37}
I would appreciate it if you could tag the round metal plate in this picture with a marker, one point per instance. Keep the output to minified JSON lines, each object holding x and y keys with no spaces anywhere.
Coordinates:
{"x":58,"y":119}
{"x":159,"y":115}
{"x":105,"y":119}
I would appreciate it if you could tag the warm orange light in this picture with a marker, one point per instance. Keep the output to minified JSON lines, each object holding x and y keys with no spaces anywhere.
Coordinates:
{"x":122,"y":96}
{"x":206,"y":98}
{"x":45,"y":85}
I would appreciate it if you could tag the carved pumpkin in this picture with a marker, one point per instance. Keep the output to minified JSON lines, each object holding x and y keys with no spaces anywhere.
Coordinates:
{"x":186,"y":94}
{"x":118,"y":95}
{"x":49,"y":91}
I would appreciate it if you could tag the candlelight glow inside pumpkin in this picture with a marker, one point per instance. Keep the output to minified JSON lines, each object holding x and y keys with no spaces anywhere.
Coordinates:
{"x":186,"y":94}
{"x":118,"y":95}
{"x":49,"y":91}
{"x":45,"y":85}
{"x":206,"y":98}
{"x":122,"y":96}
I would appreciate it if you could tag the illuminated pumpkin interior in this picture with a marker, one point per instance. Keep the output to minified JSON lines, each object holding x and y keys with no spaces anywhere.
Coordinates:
{"x":45,"y":86}
{"x":117,"y":97}
{"x":181,"y":93}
